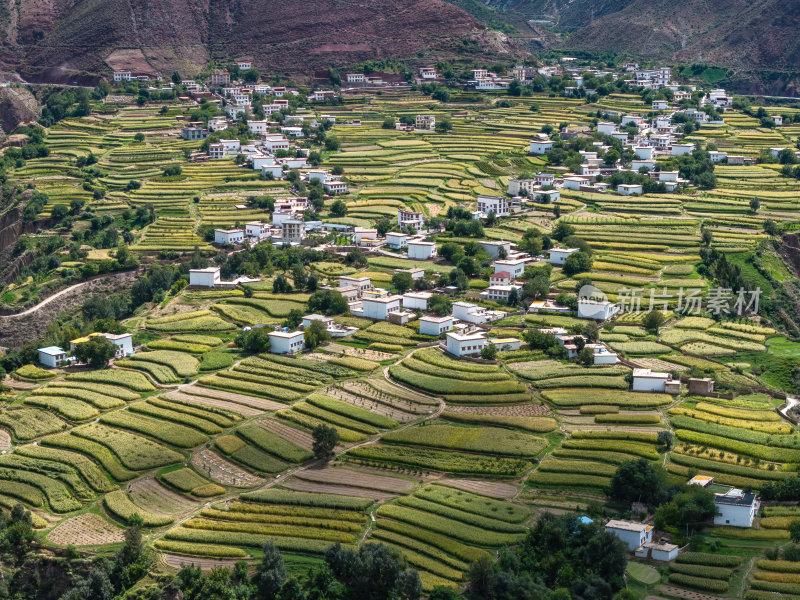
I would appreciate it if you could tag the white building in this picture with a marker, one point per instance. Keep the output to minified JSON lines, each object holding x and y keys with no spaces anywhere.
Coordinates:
{"x":514,"y":266}
{"x":407,"y":218}
{"x":630,"y":189}
{"x":633,"y":534}
{"x":517,"y":186}
{"x":736,"y":508}
{"x":496,"y":248}
{"x":52,"y":356}
{"x":425,"y":122}
{"x":421,"y":250}
{"x":500,"y":293}
{"x":293,"y":231}
{"x":228,"y":236}
{"x":499,"y":205}
{"x":602,"y":355}
{"x":645,"y":380}
{"x":607,"y":127}
{"x":505,"y":344}
{"x":470,"y":313}
{"x":541,"y":145}
{"x":208,"y":277}
{"x":717,"y":156}
{"x":286,"y":342}
{"x":416,"y":300}
{"x":547,"y":196}
{"x":256,"y":230}
{"x":361,"y":233}
{"x":599,"y":310}
{"x":396,"y":240}
{"x":638,"y":163}
{"x":655,"y":551}
{"x":558,"y":256}
{"x":381,"y":307}
{"x":429,"y":325}
{"x":643,"y":152}
{"x":123,"y":342}
{"x":362,"y":284}
{"x":574,"y":182}
{"x":681,"y":149}
{"x":465,"y":344}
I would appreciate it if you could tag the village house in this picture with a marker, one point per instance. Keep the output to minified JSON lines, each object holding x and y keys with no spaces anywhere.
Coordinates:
{"x":362,"y":233}
{"x":228,"y":236}
{"x":517,"y":186}
{"x":607,"y":127}
{"x":396,"y":240}
{"x":559,"y":256}
{"x":293,"y":231}
{"x":427,"y":72}
{"x":286,"y":342}
{"x":663,"y":552}
{"x":631,"y":533}
{"x":425,"y":122}
{"x":541,"y":144}
{"x":496,"y":248}
{"x":468,"y":344}
{"x":430,"y":325}
{"x":514,"y":266}
{"x":220,"y":78}
{"x":406,"y":218}
{"x":701,"y":385}
{"x":500,"y":278}
{"x":574,"y":182}
{"x":547,"y":306}
{"x":416,"y":300}
{"x":381,"y":308}
{"x":470,"y":313}
{"x":52,"y":356}
{"x":193,"y":132}
{"x":544,"y":179}
{"x":736,"y":508}
{"x":421,"y":250}
{"x":681,"y":149}
{"x":415,"y":273}
{"x":122,"y":341}
{"x":322,"y":95}
{"x":354,"y":78}
{"x":717,"y":156}
{"x":121,"y":76}
{"x":334,"y":186}
{"x":599,"y":310}
{"x":645,"y":380}
{"x":546,"y":196}
{"x":500,"y":293}
{"x":630,"y":189}
{"x":255,"y":231}
{"x":208,"y":277}
{"x":499,"y":205}
{"x":362,"y":284}
{"x":507,"y":344}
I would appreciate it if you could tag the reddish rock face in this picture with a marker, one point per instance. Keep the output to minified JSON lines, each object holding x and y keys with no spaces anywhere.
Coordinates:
{"x":48,"y":36}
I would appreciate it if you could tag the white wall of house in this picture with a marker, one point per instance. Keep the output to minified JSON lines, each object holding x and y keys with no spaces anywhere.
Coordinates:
{"x":435,"y":325}
{"x":281,"y":342}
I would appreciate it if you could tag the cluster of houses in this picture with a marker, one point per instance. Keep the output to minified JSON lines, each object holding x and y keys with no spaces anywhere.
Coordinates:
{"x":55,"y":356}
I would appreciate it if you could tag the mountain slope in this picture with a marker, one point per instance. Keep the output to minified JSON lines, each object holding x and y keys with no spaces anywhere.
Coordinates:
{"x":46,"y":37}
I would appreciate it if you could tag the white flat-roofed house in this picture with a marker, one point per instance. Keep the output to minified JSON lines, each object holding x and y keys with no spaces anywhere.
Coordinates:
{"x":334,"y":186}
{"x":547,"y":196}
{"x":777,"y":119}
{"x":681,"y":149}
{"x":660,"y":105}
{"x":505,"y":344}
{"x":558,"y":256}
{"x":638,"y":163}
{"x":286,"y":342}
{"x":425,"y":122}
{"x":517,"y":186}
{"x":499,"y":205}
{"x":256,"y":230}
{"x":544,"y":179}
{"x":655,"y":551}
{"x":633,"y":534}
{"x":668,"y":176}
{"x":208,"y":277}
{"x":643,"y":152}
{"x":495,"y":248}
{"x":316,"y":176}
{"x":396,"y":240}
{"x":309,"y":319}
{"x":228,"y":236}
{"x":192,"y":132}
{"x":416,"y":300}
{"x":427,"y":72}
{"x":547,"y":306}
{"x":602,"y":355}
{"x":362,"y":284}
{"x":607,"y":127}
{"x":736,"y":508}
{"x":645,"y":380}
{"x":470,"y":313}
{"x":514,"y":266}
{"x":630,"y":189}
{"x":717,"y":156}
{"x":231,"y":146}
{"x":429,"y":325}
{"x":541,"y":145}
{"x":52,"y":356}
{"x":293,"y":231}
{"x":121,"y":76}
{"x":260,"y":161}
{"x":123,"y":342}
{"x":354,"y":78}
{"x":599,"y":310}
{"x":574,"y":182}
{"x":500,"y":293}
{"x":381,"y":307}
{"x":258,"y":126}
{"x":244,"y":65}
{"x":460,"y":344}
{"x":409,"y":217}
{"x":361,"y":233}
{"x":421,"y":250}
{"x":273,"y":143}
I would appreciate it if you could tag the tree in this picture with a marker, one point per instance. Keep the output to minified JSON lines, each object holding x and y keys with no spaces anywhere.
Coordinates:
{"x":402,"y":281}
{"x":325,"y":440}
{"x":355,"y":258}
{"x":539,"y":340}
{"x":586,"y":356}
{"x":254,"y":341}
{"x":327,"y":302}
{"x":513,"y":297}
{"x":664,"y":439}
{"x":331,"y":143}
{"x":97,"y":351}
{"x":489,"y":351}
{"x":338,"y":209}
{"x":294,"y":318}
{"x":707,"y":237}
{"x":271,"y":573}
{"x":577,"y":262}
{"x":316,"y":333}
{"x":444,"y":125}
{"x":409,"y":585}
{"x":794,"y":531}
{"x":755,"y":204}
{"x":281,"y":285}
{"x":637,"y":480}
{"x":770,"y":227}
{"x":440,"y":305}
{"x":562,"y":230}
{"x":653,"y":320}
{"x":176,"y":78}
{"x":389,"y":123}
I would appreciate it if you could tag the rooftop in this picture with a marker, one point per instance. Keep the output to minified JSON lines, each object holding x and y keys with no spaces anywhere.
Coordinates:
{"x":52,"y":350}
{"x":285,"y":334}
{"x":735,"y":497}
{"x":466,"y":337}
{"x":628,"y":525}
